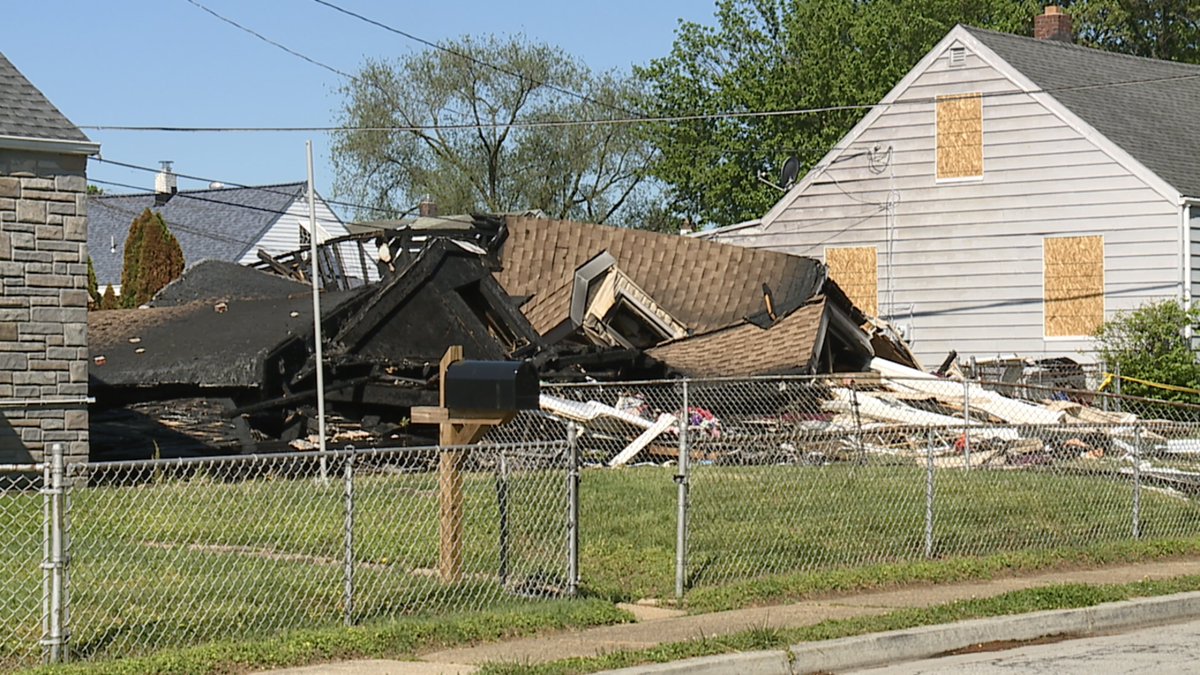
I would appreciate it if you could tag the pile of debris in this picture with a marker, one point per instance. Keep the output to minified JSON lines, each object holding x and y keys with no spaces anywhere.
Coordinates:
{"x":894,"y":413}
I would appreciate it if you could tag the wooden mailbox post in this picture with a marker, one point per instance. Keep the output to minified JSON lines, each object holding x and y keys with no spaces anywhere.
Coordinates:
{"x":458,"y":427}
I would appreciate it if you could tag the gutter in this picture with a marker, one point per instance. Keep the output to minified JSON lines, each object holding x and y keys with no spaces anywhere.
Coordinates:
{"x":49,"y":145}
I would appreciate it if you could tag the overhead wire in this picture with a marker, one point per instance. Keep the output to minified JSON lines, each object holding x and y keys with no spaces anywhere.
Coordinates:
{"x":201,"y":230}
{"x":690,"y":117}
{"x":475,"y":60}
{"x":271,"y":42}
{"x":261,"y":188}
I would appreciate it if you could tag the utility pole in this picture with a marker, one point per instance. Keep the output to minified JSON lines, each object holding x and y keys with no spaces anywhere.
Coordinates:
{"x":316,"y":295}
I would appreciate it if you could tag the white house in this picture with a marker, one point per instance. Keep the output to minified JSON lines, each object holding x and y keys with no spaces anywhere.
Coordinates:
{"x":1008,"y":194}
{"x":223,"y":223}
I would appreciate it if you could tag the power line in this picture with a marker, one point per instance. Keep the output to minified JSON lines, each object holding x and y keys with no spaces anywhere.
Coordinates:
{"x":273,"y":43}
{"x":535,"y":124}
{"x":479,"y":62}
{"x":139,"y":167}
{"x":174,"y":225}
{"x":195,"y":228}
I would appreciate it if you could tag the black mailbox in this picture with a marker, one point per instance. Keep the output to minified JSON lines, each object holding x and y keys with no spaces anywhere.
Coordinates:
{"x":492,"y":385}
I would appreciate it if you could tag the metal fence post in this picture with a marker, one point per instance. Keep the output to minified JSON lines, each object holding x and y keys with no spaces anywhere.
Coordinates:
{"x":967,"y":424}
{"x":1137,"y":481}
{"x":681,"y":480}
{"x":573,"y":509}
{"x":929,"y":496}
{"x":1118,"y":404}
{"x":348,"y":553}
{"x":502,"y":514}
{"x":54,"y":635}
{"x":47,"y":568}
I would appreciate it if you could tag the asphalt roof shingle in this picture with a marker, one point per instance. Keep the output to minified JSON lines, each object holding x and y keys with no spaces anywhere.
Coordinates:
{"x":1148,"y":109}
{"x":746,"y":350}
{"x":703,"y":284}
{"x":25,"y":111}
{"x":209,"y":224}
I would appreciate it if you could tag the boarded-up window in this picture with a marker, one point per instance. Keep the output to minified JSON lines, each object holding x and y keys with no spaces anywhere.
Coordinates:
{"x":856,"y":271}
{"x":1074,"y":285}
{"x":960,"y":136}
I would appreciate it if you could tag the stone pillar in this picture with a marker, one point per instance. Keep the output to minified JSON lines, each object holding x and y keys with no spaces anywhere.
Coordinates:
{"x":43,"y":305}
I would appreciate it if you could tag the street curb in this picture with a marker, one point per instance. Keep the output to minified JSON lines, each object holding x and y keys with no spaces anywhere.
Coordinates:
{"x":876,"y":649}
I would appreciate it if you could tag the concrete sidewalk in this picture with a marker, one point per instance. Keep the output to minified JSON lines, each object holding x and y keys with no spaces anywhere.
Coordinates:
{"x":657,"y":627}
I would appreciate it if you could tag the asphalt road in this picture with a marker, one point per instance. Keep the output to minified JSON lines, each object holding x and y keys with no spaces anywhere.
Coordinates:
{"x":1163,"y":650}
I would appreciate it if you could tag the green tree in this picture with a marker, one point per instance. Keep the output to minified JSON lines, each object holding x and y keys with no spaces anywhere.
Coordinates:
{"x":93,"y":288}
{"x":153,"y":259}
{"x":1152,"y":343}
{"x":109,"y":299}
{"x":586,"y":172}
{"x":1159,"y":29}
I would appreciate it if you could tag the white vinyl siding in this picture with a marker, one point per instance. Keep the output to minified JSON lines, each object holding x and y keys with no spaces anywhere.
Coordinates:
{"x":966,"y":257}
{"x":284,"y":236}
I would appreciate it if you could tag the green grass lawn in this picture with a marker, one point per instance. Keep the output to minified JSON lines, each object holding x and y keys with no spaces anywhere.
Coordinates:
{"x":169,"y":563}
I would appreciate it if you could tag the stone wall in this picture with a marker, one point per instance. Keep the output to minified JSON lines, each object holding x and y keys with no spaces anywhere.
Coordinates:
{"x":43,"y":305}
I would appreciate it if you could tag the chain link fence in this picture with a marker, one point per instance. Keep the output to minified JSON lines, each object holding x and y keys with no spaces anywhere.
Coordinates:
{"x":792,"y":475}
{"x":169,"y":553}
{"x":625,"y":490}
{"x":23,"y":550}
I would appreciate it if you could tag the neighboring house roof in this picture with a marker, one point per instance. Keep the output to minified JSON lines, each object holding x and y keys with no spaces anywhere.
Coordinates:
{"x":1153,"y":118}
{"x":704,"y":284}
{"x":26,"y":113}
{"x":210,"y":224}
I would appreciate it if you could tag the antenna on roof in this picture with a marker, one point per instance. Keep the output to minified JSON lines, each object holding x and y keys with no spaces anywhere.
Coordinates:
{"x":787,"y":177}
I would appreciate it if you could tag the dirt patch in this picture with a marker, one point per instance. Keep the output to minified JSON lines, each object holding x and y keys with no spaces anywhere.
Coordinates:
{"x":1003,"y":645}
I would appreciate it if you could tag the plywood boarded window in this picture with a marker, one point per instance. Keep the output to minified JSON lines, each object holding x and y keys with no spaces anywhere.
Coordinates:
{"x":959,"y":136}
{"x":1073,"y":285}
{"x":856,"y":271}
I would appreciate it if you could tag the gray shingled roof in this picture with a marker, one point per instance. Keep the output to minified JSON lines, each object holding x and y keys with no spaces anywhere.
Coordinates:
{"x":26,"y":112}
{"x":209,"y":224}
{"x":1156,"y":122}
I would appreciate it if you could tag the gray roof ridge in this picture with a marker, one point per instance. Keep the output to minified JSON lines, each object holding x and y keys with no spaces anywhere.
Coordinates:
{"x":1059,"y":44}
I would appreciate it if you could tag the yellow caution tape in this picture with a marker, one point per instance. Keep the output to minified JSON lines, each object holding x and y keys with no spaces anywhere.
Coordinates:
{"x":1108,"y":377}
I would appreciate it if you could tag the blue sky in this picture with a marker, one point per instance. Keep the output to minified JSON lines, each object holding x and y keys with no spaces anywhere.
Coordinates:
{"x":166,"y":62}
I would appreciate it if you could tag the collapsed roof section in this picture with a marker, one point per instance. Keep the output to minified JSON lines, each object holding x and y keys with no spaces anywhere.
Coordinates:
{"x":199,"y":343}
{"x":599,"y":297}
{"x":446,"y":296}
{"x":703,"y":284}
{"x":699,"y":308}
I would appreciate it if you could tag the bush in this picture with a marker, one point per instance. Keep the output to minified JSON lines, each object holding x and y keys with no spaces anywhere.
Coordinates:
{"x":93,"y":287}
{"x":152,"y":259}
{"x":1151,"y":343}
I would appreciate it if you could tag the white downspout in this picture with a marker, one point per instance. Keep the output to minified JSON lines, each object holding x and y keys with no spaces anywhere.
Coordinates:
{"x":1185,"y":251}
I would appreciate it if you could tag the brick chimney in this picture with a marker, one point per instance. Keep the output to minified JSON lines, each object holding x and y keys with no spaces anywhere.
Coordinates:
{"x":1053,"y":25}
{"x":427,"y":208}
{"x":165,"y":184}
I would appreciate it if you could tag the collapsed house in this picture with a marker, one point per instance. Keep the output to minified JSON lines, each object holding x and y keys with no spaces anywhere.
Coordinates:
{"x":223,"y":358}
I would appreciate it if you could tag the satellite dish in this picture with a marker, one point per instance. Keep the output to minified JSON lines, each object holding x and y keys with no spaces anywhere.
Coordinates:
{"x":791,"y":169}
